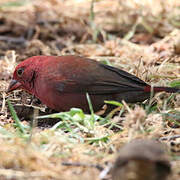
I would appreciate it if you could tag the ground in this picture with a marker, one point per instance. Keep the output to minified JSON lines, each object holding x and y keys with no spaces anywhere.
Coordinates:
{"x":141,"y":37}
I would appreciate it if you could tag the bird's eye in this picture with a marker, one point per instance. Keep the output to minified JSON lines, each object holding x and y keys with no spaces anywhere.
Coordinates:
{"x":20,"y":72}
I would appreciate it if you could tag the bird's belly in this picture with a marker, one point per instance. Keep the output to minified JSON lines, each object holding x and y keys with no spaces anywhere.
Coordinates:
{"x":66,"y":101}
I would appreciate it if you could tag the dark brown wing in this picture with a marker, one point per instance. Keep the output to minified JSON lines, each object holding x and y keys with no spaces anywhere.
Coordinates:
{"x":100,"y":79}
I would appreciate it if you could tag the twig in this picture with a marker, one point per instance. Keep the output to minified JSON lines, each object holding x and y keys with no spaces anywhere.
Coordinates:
{"x":19,"y":40}
{"x":169,"y":137}
{"x":3,"y":102}
{"x":100,"y":168}
{"x":34,"y":124}
{"x":105,"y":171}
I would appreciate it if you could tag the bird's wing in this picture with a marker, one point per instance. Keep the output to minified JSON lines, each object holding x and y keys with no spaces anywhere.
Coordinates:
{"x":124,"y":74}
{"x":108,"y":80}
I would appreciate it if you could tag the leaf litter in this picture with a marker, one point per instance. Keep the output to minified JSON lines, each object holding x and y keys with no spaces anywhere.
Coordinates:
{"x":141,"y":37}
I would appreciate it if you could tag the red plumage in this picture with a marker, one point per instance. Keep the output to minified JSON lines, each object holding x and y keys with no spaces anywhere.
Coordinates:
{"x":61,"y":82}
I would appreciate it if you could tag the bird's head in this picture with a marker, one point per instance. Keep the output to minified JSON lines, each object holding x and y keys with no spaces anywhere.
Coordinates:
{"x":25,"y":74}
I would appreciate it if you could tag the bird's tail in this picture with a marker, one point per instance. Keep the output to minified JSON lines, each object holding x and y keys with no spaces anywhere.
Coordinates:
{"x":160,"y":89}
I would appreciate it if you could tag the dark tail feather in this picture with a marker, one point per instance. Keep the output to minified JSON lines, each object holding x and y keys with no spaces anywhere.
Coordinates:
{"x":160,"y":89}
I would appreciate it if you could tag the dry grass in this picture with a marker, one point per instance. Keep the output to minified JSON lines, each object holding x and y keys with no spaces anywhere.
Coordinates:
{"x":141,"y":37}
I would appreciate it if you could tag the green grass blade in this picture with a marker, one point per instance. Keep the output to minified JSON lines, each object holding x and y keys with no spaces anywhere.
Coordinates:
{"x":18,"y":123}
{"x":92,"y":119}
{"x":115,"y":103}
{"x":175,"y":84}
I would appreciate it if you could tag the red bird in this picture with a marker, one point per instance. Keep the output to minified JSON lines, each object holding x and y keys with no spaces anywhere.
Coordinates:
{"x":61,"y":82}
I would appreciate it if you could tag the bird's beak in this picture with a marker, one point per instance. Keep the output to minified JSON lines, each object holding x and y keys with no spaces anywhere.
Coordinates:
{"x":14,"y":84}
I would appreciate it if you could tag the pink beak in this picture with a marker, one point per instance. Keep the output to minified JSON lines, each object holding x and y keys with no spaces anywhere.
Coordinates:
{"x":14,"y":84}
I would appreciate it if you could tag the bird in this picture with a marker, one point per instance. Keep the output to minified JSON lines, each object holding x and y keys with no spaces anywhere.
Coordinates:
{"x":62,"y":82}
